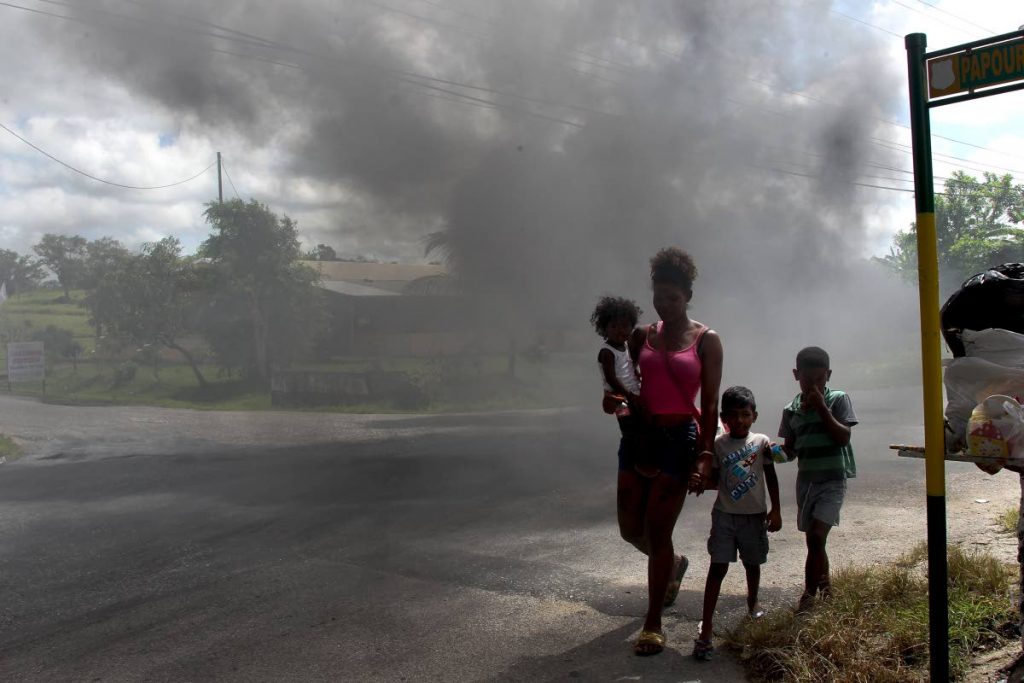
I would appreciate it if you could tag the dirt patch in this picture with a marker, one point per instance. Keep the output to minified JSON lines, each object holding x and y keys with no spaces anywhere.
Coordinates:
{"x":998,"y":666}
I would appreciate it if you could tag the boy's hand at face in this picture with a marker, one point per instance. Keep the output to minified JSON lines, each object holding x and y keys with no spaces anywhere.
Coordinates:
{"x":813,"y":399}
{"x":774,"y":521}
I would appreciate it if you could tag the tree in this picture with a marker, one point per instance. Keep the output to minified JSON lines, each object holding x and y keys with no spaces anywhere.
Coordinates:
{"x":148,"y":298}
{"x":65,"y":256}
{"x":22,"y":273}
{"x":259,"y":283}
{"x":58,"y":343}
{"x":977,"y":225}
{"x":322,"y":252}
{"x":101,"y":256}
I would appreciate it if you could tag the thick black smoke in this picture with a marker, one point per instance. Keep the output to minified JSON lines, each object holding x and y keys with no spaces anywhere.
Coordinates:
{"x":557,"y":145}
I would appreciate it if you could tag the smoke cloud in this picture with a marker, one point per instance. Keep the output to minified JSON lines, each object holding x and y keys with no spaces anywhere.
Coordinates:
{"x":557,"y":145}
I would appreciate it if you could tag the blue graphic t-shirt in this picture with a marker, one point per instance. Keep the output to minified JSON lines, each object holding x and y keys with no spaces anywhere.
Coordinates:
{"x":740,"y":464}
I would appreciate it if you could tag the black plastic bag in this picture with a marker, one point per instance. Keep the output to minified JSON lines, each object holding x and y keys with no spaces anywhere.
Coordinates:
{"x":993,"y":299}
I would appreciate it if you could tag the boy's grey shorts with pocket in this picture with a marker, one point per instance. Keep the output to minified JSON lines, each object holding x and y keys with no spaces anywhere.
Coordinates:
{"x":744,"y":533}
{"x":819,"y":500}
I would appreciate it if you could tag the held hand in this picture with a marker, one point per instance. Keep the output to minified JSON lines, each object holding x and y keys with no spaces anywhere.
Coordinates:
{"x":701,"y":473}
{"x":774,"y":521}
{"x":611,"y":402}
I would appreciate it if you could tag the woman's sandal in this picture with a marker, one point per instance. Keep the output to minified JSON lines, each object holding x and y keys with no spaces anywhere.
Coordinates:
{"x":673,"y":587}
{"x":649,"y":643}
{"x":702,"y":650}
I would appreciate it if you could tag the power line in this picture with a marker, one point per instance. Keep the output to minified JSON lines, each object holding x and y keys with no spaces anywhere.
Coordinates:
{"x":814,"y":176}
{"x":897,"y":146}
{"x":411,"y":78}
{"x":580,"y":55}
{"x":101,"y":180}
{"x":418,"y":79}
{"x":947,"y":158}
{"x":925,"y":14}
{"x":861,"y":21}
{"x":122,"y":28}
{"x":224,"y":167}
{"x":957,"y":16}
{"x":202,"y":22}
{"x":250,"y":40}
{"x":890,"y":122}
{"x":678,"y":56}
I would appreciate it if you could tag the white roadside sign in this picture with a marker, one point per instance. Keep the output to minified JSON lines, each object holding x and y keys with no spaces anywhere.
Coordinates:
{"x":26,"y":362}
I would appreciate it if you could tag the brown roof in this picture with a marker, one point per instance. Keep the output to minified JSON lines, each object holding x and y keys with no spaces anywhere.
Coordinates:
{"x":357,"y":271}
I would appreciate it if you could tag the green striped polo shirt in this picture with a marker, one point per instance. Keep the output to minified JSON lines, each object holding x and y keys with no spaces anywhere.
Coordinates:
{"x":819,"y":457}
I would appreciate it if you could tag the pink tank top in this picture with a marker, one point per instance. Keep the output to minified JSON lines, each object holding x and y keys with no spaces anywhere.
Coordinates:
{"x":669,"y":381}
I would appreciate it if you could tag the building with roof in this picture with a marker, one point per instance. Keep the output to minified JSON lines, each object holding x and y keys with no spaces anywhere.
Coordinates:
{"x":392,"y":309}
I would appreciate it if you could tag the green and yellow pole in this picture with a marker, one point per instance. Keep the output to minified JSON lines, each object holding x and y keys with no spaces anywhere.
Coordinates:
{"x":931,"y":364}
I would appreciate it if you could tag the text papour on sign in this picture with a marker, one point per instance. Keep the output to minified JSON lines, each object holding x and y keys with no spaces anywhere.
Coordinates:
{"x":976,"y":68}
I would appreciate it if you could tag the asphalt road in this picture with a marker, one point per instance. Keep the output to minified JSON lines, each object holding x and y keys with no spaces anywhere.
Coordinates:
{"x":148,"y":544}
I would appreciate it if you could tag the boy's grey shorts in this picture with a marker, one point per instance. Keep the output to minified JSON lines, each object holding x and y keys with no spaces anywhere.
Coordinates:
{"x":818,"y":500}
{"x":744,"y":533}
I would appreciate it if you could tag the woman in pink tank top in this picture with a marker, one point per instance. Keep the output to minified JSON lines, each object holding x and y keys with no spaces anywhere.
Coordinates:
{"x":678,"y":359}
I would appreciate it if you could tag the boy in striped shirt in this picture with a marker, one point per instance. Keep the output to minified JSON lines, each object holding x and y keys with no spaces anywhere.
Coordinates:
{"x":816,"y":428}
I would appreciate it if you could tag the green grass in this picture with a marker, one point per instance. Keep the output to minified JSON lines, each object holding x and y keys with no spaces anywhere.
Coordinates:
{"x":459,"y":383}
{"x":9,"y":450}
{"x":1008,"y":521}
{"x":173,"y":387}
{"x":875,"y":625}
{"x":442,"y":386}
{"x":37,"y":310}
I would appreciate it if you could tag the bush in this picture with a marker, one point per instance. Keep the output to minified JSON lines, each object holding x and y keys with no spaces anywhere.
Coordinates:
{"x":124,"y":373}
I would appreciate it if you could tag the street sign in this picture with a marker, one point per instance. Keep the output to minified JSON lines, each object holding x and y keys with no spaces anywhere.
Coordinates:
{"x":976,"y":67}
{"x":26,"y":362}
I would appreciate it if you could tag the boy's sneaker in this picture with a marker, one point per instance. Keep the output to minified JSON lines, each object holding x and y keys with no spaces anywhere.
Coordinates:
{"x":702,"y":650}
{"x":756,"y":613}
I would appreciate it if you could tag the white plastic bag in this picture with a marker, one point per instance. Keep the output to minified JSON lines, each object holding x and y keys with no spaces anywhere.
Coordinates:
{"x":996,"y":429}
{"x":969,"y":381}
{"x":997,"y":346}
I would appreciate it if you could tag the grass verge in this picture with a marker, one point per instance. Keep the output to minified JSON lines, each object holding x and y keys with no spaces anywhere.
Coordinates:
{"x":9,"y":450}
{"x":439,"y":388}
{"x":173,"y":386}
{"x":1008,"y":521}
{"x":875,"y":626}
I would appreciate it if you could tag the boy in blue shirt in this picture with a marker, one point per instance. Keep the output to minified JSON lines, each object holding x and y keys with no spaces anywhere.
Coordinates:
{"x":816,"y":428}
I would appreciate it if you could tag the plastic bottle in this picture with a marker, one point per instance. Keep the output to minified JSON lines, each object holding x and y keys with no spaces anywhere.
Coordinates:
{"x":778,"y":455}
